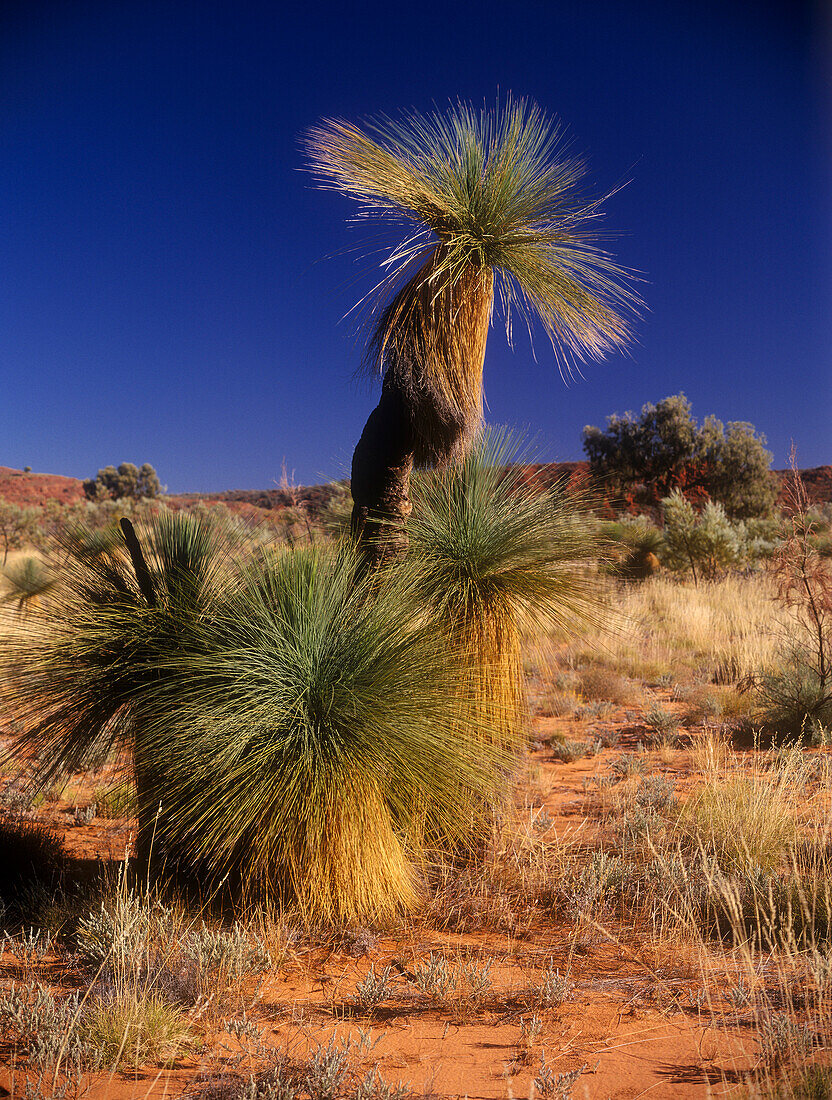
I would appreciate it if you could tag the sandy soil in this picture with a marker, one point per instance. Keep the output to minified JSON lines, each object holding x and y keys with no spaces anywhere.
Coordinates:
{"x":629,"y":1021}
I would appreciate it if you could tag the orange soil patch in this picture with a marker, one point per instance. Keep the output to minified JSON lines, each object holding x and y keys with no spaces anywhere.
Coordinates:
{"x":631,"y":1020}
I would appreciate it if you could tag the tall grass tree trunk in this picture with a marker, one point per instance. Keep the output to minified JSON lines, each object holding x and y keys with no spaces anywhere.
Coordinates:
{"x":432,"y":341}
{"x":492,"y":209}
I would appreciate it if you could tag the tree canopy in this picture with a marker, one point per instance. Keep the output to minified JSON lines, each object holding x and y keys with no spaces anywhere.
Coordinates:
{"x":665,"y":450}
{"x":132,"y":482}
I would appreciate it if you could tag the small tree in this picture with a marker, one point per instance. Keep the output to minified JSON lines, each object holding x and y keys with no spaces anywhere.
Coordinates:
{"x":658,"y":448}
{"x":680,"y":550}
{"x":738,"y":470}
{"x":127,"y":481}
{"x":706,"y":544}
{"x":666,"y":451}
{"x":17,"y":526}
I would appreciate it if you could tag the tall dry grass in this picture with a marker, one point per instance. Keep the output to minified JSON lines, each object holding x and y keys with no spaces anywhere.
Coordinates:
{"x":724,"y":630}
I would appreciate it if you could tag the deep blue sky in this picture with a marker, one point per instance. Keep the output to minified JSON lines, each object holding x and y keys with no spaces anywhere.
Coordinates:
{"x":173,"y":284}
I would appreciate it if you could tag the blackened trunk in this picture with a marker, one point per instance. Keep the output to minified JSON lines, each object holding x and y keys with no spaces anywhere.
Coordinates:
{"x":147,"y":808}
{"x":381,"y":468}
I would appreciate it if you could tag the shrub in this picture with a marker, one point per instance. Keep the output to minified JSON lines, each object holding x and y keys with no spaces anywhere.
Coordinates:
{"x":656,"y":792}
{"x":553,"y":703}
{"x":555,"y":1086}
{"x":706,"y":544}
{"x":122,"y":939}
{"x":661,"y":723}
{"x":74,"y":676}
{"x":434,"y":977}
{"x":627,"y":765}
{"x":567,"y":751}
{"x":665,"y":450}
{"x":600,"y":684}
{"x":128,"y":481}
{"x":17,"y":526}
{"x":233,"y":953}
{"x":47,"y":1026}
{"x":374,"y":989}
{"x":799,"y":693}
{"x":793,"y":702}
{"x":702,"y":704}
{"x":554,"y":988}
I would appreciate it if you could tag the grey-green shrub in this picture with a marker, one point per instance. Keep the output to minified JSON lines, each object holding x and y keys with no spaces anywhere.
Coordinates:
{"x":706,"y":544}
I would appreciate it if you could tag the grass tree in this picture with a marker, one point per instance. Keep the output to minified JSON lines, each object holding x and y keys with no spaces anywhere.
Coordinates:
{"x":494,"y":213}
{"x":494,"y":558}
{"x":74,"y":671}
{"x":293,"y":727}
{"x":317,"y":742}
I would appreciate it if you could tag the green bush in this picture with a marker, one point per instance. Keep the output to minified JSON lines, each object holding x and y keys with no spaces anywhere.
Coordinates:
{"x":792,"y":701}
{"x":796,"y":698}
{"x":665,"y":451}
{"x":133,"y":482}
{"x":706,"y":544}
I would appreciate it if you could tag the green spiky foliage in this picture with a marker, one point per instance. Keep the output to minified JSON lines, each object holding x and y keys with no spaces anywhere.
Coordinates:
{"x":638,"y":543}
{"x":494,"y":211}
{"x":319,"y":743}
{"x":73,"y":675}
{"x":292,"y":725}
{"x":497,"y":557}
{"x":27,"y":581}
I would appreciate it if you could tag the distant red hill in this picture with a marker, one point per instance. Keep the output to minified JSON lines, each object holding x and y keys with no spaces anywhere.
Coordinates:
{"x":36,"y":489}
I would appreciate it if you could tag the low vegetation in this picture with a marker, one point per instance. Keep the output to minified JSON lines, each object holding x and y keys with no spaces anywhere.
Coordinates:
{"x":645,"y":844}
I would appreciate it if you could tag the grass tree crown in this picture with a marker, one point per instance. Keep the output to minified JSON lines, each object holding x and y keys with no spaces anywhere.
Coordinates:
{"x":494,"y":212}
